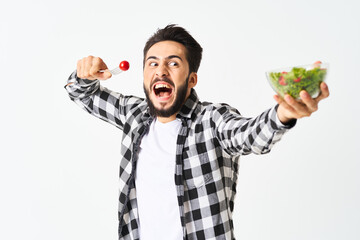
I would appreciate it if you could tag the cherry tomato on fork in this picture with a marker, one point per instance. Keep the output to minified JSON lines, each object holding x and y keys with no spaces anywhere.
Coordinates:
{"x":124,"y":65}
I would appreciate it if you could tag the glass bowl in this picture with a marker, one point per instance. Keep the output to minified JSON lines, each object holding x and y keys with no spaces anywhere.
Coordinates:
{"x":292,"y":80}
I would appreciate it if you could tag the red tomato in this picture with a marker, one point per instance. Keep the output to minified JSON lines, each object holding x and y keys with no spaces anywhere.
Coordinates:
{"x":317,"y":64}
{"x":282,"y":81}
{"x":297,"y":80}
{"x":124,"y":65}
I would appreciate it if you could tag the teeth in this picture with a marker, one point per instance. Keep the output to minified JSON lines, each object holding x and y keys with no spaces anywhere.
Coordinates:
{"x":161,"y":86}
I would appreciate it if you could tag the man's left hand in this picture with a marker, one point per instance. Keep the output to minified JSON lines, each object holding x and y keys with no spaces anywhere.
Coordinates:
{"x":289,"y":108}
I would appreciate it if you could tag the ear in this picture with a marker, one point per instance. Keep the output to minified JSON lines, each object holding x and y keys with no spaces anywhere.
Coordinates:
{"x":192,"y":80}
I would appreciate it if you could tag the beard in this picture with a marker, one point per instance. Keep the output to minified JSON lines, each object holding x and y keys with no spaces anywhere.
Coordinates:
{"x":175,"y":107}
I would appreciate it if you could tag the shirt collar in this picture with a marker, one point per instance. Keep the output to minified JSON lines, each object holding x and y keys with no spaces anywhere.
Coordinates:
{"x":190,"y":107}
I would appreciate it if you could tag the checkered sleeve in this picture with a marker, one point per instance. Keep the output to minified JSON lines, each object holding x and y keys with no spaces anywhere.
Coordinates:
{"x":99,"y":101}
{"x":240,"y":135}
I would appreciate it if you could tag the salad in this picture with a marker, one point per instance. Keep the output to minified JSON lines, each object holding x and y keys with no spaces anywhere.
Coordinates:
{"x":299,"y":78}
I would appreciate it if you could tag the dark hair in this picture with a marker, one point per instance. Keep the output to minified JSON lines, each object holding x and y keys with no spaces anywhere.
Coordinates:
{"x":178,"y":34}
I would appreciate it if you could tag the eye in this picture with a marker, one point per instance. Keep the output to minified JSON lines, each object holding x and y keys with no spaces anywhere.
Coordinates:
{"x":152,"y":64}
{"x":173,"y":64}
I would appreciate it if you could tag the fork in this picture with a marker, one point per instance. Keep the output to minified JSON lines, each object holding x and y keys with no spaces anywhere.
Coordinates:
{"x":114,"y":71}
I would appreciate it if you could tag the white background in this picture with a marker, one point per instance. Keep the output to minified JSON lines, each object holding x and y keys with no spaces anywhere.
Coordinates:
{"x":59,"y":165}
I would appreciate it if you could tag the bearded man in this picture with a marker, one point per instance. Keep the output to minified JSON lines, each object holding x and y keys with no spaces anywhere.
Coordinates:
{"x":179,"y":156}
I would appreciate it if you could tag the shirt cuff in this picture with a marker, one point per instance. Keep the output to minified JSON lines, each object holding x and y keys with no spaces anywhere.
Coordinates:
{"x":84,"y":82}
{"x":288,"y":125}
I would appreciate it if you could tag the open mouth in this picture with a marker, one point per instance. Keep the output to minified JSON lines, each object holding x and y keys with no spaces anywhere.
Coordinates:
{"x":163,"y":90}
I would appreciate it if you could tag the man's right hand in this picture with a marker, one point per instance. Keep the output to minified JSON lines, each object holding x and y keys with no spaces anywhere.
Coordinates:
{"x":89,"y":68}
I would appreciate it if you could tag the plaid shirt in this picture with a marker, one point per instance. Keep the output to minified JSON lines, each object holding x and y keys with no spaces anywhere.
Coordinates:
{"x":210,"y":141}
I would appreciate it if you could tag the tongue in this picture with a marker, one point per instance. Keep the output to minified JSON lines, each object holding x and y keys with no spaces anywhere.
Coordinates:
{"x":164,"y":94}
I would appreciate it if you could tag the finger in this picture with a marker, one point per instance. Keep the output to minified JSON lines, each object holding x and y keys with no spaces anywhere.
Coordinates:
{"x":99,"y":74}
{"x":98,"y":65}
{"x":278,"y":99}
{"x":95,"y":66}
{"x":299,"y":107}
{"x":324,"y":92}
{"x":284,"y":105}
{"x":83,"y":68}
{"x":78,"y":68}
{"x":311,"y":104}
{"x":104,"y":75}
{"x":87,"y":66}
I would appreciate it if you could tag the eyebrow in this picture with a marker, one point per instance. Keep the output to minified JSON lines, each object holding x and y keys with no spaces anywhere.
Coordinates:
{"x":169,"y":57}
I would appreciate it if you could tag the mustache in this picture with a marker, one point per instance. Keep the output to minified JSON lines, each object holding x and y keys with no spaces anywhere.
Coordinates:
{"x":164,"y":79}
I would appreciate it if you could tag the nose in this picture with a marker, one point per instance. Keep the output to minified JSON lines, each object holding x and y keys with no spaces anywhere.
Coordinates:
{"x":162,"y":70}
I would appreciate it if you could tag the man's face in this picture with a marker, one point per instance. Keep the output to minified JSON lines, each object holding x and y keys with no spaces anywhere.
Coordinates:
{"x":167,"y":82}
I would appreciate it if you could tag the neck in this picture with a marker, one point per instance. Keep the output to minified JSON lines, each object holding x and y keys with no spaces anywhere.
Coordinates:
{"x":166,"y":119}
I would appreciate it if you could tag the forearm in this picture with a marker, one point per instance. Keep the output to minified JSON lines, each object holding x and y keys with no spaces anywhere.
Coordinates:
{"x":240,"y":135}
{"x":95,"y":99}
{"x":78,"y":88}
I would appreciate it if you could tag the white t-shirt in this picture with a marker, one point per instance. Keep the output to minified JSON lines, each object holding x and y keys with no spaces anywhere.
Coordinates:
{"x":155,"y":184}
